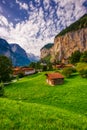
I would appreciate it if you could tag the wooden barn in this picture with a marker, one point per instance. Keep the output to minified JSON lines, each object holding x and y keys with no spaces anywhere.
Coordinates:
{"x":55,"y":78}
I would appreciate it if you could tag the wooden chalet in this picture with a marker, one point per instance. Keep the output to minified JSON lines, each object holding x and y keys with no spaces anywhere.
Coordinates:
{"x":55,"y":78}
{"x":23,"y":70}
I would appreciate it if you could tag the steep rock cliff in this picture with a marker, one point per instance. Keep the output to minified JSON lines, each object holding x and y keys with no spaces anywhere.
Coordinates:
{"x":66,"y":44}
{"x":69,"y":40}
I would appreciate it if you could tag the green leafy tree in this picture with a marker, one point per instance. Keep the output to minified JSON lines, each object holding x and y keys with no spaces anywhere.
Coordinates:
{"x":36,"y":65}
{"x":5,"y":69}
{"x":32,"y":64}
{"x":75,"y":57}
{"x":49,"y":67}
{"x":84,"y":57}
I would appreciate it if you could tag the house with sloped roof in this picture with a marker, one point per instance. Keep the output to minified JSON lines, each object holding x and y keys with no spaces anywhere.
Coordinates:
{"x":23,"y":70}
{"x":55,"y":78}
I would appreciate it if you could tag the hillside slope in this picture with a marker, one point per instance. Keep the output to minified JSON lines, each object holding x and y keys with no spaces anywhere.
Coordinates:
{"x":31,"y":103}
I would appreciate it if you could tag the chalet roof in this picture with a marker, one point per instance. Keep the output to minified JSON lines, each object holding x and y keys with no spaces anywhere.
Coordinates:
{"x":22,"y":68}
{"x":16,"y":68}
{"x":55,"y":76}
{"x":27,"y":69}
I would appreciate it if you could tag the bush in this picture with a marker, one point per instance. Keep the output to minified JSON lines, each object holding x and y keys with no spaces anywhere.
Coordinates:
{"x":81,"y":66}
{"x":1,"y":89}
{"x":83,"y":73}
{"x":82,"y":69}
{"x":68,"y":71}
{"x":73,"y":69}
{"x":20,"y":75}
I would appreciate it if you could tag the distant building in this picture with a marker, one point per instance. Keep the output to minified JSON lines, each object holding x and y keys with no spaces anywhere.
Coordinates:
{"x":55,"y":78}
{"x":23,"y":70}
{"x":70,"y":65}
{"x":58,"y":66}
{"x":61,"y":66}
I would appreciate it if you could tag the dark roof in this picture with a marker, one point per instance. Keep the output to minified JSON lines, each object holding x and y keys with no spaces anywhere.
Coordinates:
{"x":55,"y":76}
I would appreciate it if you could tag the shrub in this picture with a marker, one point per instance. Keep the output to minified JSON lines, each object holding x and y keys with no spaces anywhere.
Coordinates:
{"x":73,"y":69}
{"x":68,"y":71}
{"x":83,"y":73}
{"x":82,"y":69}
{"x":1,"y":89}
{"x":81,"y":66}
{"x":20,"y":75}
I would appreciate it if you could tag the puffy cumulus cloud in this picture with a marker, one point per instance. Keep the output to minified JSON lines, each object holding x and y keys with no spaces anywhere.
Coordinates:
{"x":43,"y":24}
{"x":29,"y":34}
{"x":22,"y":5}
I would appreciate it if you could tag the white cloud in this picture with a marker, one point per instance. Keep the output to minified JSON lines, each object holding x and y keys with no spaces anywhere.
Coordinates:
{"x":35,"y":32}
{"x":3,"y":21}
{"x":22,"y":5}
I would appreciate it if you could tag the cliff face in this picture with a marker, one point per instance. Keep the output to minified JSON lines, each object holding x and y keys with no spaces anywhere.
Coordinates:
{"x":68,"y":40}
{"x":66,"y":44}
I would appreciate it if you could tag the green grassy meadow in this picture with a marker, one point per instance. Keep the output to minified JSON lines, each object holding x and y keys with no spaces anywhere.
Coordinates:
{"x":30,"y":103}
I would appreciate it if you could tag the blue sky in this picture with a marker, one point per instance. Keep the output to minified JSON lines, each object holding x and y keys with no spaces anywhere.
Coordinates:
{"x":34,"y":23}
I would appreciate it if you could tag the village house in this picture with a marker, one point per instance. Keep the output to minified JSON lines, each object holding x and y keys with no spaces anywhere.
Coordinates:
{"x":61,"y":66}
{"x":23,"y":70}
{"x":28,"y":71}
{"x":70,"y":65}
{"x":55,"y":78}
{"x":58,"y":66}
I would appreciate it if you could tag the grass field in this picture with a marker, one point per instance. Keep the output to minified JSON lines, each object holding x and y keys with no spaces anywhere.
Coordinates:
{"x":31,"y":103}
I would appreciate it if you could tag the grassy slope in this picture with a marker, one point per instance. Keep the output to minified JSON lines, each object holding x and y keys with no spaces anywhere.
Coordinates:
{"x":38,"y":105}
{"x":30,"y":116}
